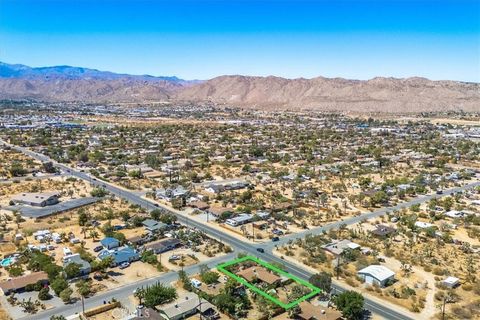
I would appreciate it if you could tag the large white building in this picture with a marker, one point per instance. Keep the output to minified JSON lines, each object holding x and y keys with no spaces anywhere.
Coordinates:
{"x":376,"y":275}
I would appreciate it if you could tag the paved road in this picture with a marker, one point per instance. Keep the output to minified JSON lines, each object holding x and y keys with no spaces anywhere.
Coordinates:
{"x":123,"y":292}
{"x":366,"y":216}
{"x":237,"y":245}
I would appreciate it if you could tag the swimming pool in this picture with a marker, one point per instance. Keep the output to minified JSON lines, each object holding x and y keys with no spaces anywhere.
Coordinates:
{"x":7,"y":261}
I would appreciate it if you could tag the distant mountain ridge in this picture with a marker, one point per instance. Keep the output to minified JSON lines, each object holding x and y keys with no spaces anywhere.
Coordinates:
{"x":65,"y":83}
{"x":69,"y":72}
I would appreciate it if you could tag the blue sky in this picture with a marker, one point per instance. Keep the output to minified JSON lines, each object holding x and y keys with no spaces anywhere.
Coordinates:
{"x":357,"y":39}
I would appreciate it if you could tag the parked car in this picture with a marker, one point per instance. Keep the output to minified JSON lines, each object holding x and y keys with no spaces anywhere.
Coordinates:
{"x":174,"y":257}
{"x":97,"y":248}
{"x":274,"y":239}
{"x":124,"y":265}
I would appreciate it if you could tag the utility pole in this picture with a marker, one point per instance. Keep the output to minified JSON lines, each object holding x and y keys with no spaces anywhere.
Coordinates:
{"x":83,"y":304}
{"x":337,"y":269}
{"x":253,"y":231}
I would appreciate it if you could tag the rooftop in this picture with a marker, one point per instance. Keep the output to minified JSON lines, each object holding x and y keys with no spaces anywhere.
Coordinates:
{"x":380,"y":273}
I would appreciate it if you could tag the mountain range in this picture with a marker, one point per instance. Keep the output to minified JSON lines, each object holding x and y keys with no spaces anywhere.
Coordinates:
{"x":66,"y":83}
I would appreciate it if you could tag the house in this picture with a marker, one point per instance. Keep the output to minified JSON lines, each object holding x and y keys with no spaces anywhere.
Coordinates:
{"x":475,"y":203}
{"x":220,"y":186}
{"x":36,"y":199}
{"x":423,"y":225}
{"x":338,"y":247}
{"x":110,"y":243}
{"x":136,"y":240}
{"x":218,"y":211}
{"x":239,"y":220}
{"x":200,"y":205}
{"x":120,"y":255}
{"x":310,"y":312}
{"x":85,"y":267}
{"x":383,"y":231}
{"x":188,"y":305}
{"x":162,"y":245}
{"x":19,"y":283}
{"x":376,"y":275}
{"x":454,"y":214}
{"x":213,"y":188}
{"x":154,"y":226}
{"x":451,"y":282}
{"x":146,"y":313}
{"x":260,"y":273}
{"x":172,"y":193}
{"x":262,"y":214}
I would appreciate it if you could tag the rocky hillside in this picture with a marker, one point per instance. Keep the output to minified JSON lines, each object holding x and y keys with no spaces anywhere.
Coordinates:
{"x":378,"y":94}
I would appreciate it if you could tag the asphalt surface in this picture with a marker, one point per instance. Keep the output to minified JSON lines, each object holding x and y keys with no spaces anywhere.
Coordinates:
{"x":237,"y":244}
{"x":40,"y":212}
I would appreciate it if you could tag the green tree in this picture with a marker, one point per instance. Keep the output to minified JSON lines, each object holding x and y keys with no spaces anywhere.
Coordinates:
{"x":72,"y":270}
{"x":187,"y":285}
{"x":44,"y":294}
{"x":82,"y":219}
{"x":157,"y":294}
{"x":49,"y":168}
{"x":66,"y":295}
{"x":350,"y":303}
{"x":59,"y":284}
{"x":207,"y":276}
{"x":102,"y":265}
{"x":98,"y":192}
{"x":15,"y":270}
{"x":83,"y":288}
{"x":155,"y":214}
{"x":323,"y":281}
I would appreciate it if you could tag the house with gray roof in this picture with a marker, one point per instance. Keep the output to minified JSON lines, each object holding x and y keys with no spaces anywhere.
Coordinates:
{"x":36,"y":199}
{"x":85,"y":267}
{"x":154,"y":226}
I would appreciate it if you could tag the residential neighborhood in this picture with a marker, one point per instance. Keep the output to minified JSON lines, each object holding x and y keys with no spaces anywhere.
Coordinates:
{"x":125,"y":216}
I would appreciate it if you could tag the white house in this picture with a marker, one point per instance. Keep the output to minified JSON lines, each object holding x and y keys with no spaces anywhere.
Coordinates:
{"x":376,"y":275}
{"x":239,"y":220}
{"x":451,"y":282}
{"x":454,"y":214}
{"x":423,"y":225}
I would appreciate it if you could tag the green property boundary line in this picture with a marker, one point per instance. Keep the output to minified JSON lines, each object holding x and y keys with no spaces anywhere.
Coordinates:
{"x":222,"y":268}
